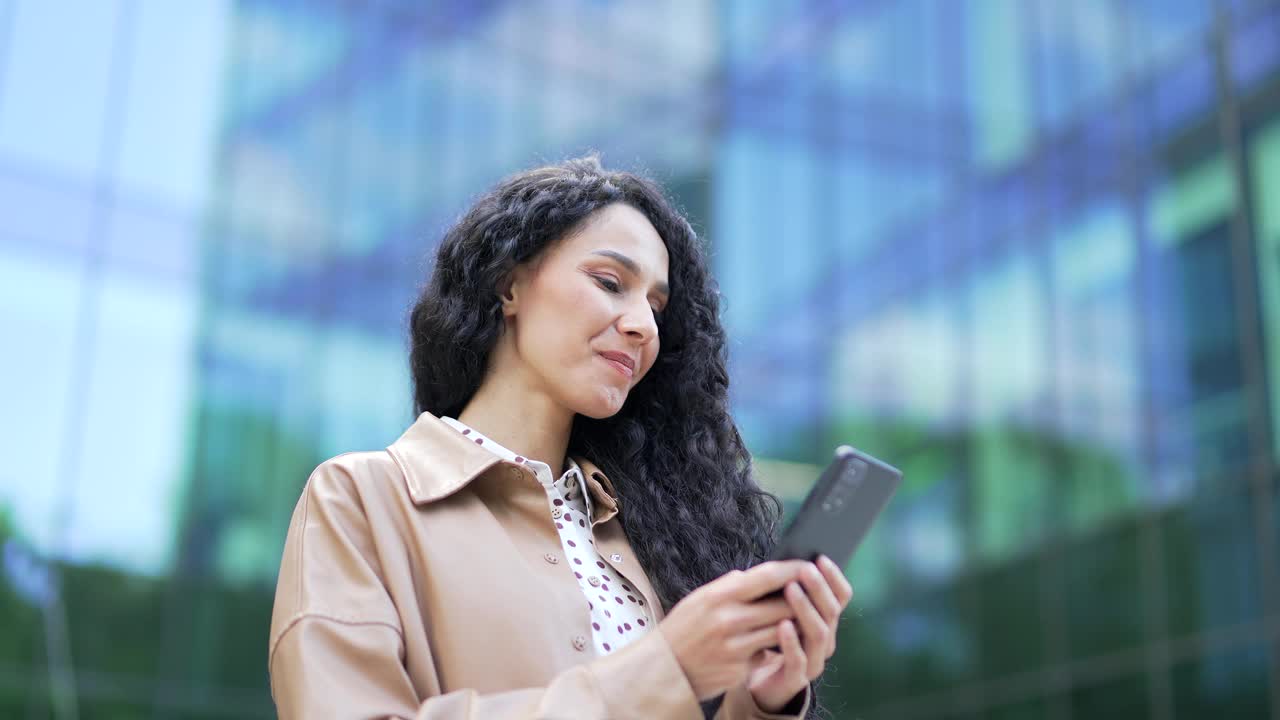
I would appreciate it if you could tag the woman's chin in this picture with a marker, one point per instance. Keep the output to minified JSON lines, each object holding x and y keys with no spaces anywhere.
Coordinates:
{"x":604,"y":404}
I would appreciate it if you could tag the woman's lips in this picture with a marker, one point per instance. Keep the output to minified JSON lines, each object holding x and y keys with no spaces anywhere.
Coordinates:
{"x":626,"y":371}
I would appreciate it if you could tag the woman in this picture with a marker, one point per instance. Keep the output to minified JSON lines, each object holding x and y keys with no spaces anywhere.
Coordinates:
{"x":570,"y":529}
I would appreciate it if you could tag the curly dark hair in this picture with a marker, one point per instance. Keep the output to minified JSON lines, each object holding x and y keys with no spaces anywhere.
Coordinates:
{"x":689,"y":503}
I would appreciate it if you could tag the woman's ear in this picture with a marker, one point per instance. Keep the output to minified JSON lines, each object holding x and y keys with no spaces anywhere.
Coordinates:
{"x":507,"y":294}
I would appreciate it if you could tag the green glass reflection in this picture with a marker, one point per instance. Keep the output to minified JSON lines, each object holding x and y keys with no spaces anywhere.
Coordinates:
{"x":1227,"y":684}
{"x":22,"y":639}
{"x":999,"y":81}
{"x":871,"y":569}
{"x":1122,"y":697}
{"x":1192,"y":201}
{"x":1010,"y":362}
{"x":1011,"y":492}
{"x":1264,"y":162}
{"x":1206,"y":311}
{"x":1097,"y":366}
{"x":1106,"y":602}
{"x":1027,"y":710}
{"x":1011,"y":619}
{"x":1211,"y":563}
{"x":1092,"y":251}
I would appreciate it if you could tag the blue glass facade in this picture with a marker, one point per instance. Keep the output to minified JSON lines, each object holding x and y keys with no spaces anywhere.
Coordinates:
{"x":1028,"y":251}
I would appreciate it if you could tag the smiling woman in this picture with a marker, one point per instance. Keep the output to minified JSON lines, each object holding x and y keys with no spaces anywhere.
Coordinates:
{"x":570,"y":529}
{"x":588,"y":304}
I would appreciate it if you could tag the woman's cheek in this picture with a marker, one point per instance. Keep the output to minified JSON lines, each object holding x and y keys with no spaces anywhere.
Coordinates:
{"x":594,"y":305}
{"x":650,"y":359}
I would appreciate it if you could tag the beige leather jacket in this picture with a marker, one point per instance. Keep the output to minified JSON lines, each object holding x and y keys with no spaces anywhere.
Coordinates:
{"x":427,"y":581}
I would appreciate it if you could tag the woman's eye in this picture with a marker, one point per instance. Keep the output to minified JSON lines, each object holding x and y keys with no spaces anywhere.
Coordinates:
{"x":608,"y":284}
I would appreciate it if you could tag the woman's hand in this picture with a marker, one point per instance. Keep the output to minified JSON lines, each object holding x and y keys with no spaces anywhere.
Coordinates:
{"x":776,"y":677}
{"x":716,"y":630}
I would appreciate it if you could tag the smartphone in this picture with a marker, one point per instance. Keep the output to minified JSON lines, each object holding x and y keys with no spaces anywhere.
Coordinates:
{"x":839,"y":510}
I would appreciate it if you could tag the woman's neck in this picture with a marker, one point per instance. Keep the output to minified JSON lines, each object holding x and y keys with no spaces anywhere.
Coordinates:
{"x":526,"y":423}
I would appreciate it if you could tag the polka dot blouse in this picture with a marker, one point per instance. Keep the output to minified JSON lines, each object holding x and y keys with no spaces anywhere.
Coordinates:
{"x":618,"y":614}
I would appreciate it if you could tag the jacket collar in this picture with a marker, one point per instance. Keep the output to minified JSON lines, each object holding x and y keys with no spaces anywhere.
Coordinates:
{"x":437,"y":461}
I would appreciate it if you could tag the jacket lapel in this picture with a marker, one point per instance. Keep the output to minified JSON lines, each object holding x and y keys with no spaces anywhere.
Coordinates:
{"x":437,"y":460}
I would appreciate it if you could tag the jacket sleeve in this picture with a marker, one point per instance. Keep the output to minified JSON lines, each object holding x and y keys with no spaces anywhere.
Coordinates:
{"x":337,"y":649}
{"x":740,"y":705}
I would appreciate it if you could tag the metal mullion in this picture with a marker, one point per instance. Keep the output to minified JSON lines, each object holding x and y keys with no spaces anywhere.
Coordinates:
{"x":62,"y":675}
{"x":1231,"y":132}
{"x":1154,"y":579}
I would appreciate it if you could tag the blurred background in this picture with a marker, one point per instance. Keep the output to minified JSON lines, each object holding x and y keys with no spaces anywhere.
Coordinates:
{"x":1026,"y":250}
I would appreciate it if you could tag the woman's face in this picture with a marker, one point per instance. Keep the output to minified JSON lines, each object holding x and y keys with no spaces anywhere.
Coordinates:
{"x":583,"y":315}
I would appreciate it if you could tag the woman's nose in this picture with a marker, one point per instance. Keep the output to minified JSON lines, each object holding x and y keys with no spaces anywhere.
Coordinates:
{"x":639,"y":324}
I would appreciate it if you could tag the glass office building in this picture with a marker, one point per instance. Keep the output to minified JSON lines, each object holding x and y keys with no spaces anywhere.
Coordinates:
{"x":1026,"y":250}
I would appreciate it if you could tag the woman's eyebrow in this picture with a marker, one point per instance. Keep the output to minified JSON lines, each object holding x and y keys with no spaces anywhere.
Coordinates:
{"x":632,"y":267}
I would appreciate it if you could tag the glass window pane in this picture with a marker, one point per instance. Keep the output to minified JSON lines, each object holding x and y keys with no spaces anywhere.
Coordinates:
{"x":1027,"y":710}
{"x":24,"y":588}
{"x":1011,"y":473}
{"x":36,"y":378}
{"x":1012,"y":625}
{"x":928,"y":520}
{"x":1254,"y":50}
{"x":1000,"y":87}
{"x":96,"y":598}
{"x":1227,"y":684}
{"x":1191,"y":201}
{"x":1211,"y":562}
{"x":933,"y":640}
{"x":1080,"y":51}
{"x":137,"y":398}
{"x":907,"y":362}
{"x":1123,"y":697}
{"x":1009,"y":364}
{"x":174,"y":95}
{"x":1217,"y":397}
{"x":1097,"y":366}
{"x":1106,"y":602}
{"x":1168,"y":28}
{"x":1264,"y":164}
{"x":53,"y":106}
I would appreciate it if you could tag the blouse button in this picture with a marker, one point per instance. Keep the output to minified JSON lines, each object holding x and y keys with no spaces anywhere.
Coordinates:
{"x":594,"y":581}
{"x":579,"y":643}
{"x":557,"y":513}
{"x":515,"y":472}
{"x":551,"y":558}
{"x":615,"y":557}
